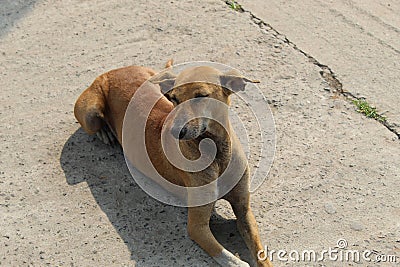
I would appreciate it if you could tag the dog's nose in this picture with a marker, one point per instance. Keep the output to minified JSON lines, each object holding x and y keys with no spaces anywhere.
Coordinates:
{"x":178,"y":132}
{"x":182,"y":133}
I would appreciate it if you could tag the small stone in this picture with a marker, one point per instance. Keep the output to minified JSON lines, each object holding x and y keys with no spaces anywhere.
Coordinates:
{"x":357,"y":226}
{"x":329,"y":208}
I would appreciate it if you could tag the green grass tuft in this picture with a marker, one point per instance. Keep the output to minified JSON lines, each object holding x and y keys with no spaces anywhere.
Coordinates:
{"x":235,"y":6}
{"x":365,"y":108}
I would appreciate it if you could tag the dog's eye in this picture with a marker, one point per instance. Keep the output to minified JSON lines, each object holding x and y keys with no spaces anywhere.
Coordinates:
{"x":174,"y":100}
{"x":201,"y":95}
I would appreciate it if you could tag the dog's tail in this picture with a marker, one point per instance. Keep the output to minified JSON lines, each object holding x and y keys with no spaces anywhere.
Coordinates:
{"x":169,"y":63}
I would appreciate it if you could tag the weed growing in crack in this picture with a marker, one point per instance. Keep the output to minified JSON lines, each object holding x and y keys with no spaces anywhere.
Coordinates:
{"x":234,"y":5}
{"x":365,"y":108}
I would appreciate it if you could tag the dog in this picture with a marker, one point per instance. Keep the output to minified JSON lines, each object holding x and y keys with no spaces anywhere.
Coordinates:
{"x":100,"y":110}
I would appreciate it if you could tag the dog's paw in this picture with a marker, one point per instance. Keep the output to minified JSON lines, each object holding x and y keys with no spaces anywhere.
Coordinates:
{"x":227,"y":259}
{"x":106,"y":136}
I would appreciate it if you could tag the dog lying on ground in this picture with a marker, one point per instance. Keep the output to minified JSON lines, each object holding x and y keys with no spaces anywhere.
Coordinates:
{"x":100,"y":110}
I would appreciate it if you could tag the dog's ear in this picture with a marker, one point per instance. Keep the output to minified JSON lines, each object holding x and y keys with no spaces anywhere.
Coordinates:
{"x":166,"y":80}
{"x":169,"y":63}
{"x":232,"y":81}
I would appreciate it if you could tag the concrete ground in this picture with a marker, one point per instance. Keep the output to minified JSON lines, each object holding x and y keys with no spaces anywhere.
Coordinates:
{"x":66,"y":199}
{"x":359,"y":40}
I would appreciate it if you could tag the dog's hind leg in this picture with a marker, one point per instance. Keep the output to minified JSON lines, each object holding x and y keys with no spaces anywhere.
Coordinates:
{"x":90,"y":106}
{"x":106,"y":135}
{"x":199,"y":231}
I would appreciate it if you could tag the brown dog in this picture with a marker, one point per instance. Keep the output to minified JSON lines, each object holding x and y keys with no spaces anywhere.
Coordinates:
{"x":101,"y":109}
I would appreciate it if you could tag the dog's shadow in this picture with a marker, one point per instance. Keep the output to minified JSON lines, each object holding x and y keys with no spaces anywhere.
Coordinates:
{"x":154,"y":233}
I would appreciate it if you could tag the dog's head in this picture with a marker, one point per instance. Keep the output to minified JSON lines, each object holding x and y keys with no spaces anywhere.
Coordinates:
{"x":198,"y":84}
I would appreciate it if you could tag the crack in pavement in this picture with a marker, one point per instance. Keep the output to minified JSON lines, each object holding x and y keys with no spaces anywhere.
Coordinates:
{"x":326,"y":72}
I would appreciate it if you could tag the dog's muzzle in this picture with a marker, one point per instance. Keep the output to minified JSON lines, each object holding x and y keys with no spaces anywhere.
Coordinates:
{"x":179,"y":132}
{"x":188,"y":132}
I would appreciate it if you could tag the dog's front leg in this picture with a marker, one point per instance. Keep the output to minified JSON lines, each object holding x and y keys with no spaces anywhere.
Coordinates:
{"x":239,"y":199}
{"x":248,"y":229}
{"x":199,"y":231}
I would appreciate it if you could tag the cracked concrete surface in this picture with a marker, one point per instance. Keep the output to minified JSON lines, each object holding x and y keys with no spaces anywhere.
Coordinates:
{"x":326,"y":72}
{"x":67,"y":199}
{"x":358,"y":40}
